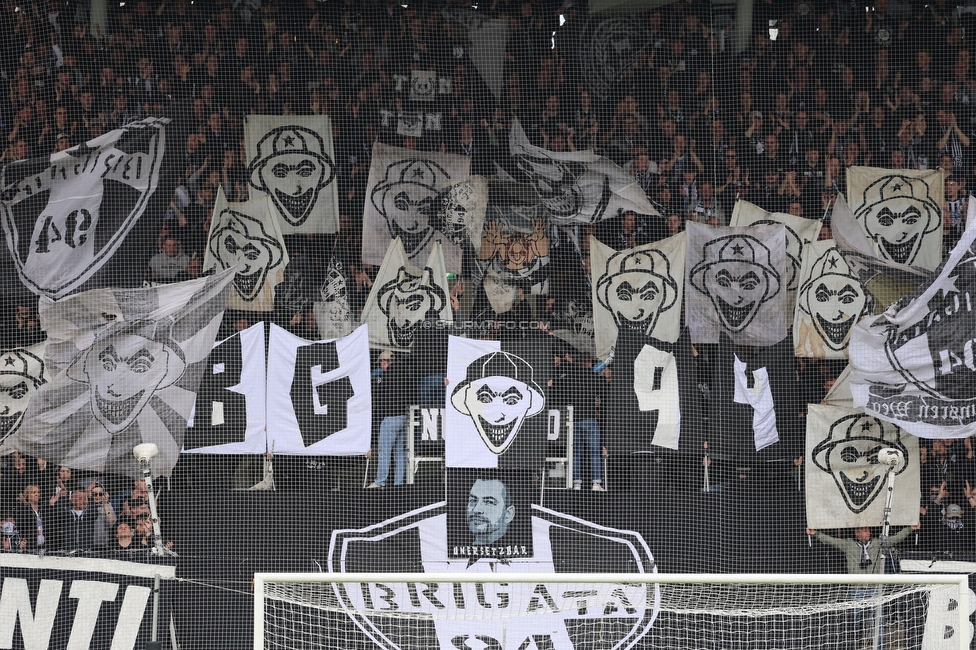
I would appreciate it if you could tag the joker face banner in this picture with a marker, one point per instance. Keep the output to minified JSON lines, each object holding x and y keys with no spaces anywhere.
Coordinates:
{"x":493,"y":398}
{"x":830,"y":302}
{"x":914,"y":364}
{"x":799,"y":233}
{"x":578,"y":186}
{"x":65,"y":217}
{"x":22,"y":372}
{"x":404,"y":296}
{"x":514,"y":246}
{"x":130,"y":362}
{"x":319,"y":392}
{"x":845,"y":478}
{"x":900,"y":211}
{"x":246,"y":237}
{"x":638,"y":289}
{"x":736,"y":279}
{"x":290,"y":159}
{"x":404,"y":198}
{"x":230,"y":412}
{"x":610,"y":47}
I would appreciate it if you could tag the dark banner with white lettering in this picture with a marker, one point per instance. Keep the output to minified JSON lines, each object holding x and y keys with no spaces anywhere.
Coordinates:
{"x":50,"y":603}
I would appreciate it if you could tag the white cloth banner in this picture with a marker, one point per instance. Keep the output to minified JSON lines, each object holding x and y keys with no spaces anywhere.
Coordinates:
{"x":900,"y":211}
{"x":915,"y":364}
{"x":577,"y":186}
{"x":800,"y":233}
{"x":246,"y":236}
{"x":129,"y":364}
{"x":319,"y":393}
{"x":403,"y":297}
{"x":831,"y":300}
{"x":639,"y":288}
{"x":404,"y":198}
{"x":760,"y":398}
{"x":291,"y":159}
{"x":736,"y":284}
{"x":658,"y":391}
{"x":463,"y":446}
{"x":845,"y":483}
{"x":230,"y":412}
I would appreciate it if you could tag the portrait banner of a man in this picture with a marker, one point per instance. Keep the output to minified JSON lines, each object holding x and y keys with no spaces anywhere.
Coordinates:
{"x":846,"y":479}
{"x":291,"y":159}
{"x":129,"y":363}
{"x":913,"y":365}
{"x":638,"y":289}
{"x":488,"y":514}
{"x":405,"y":298}
{"x":831,"y":300}
{"x":496,"y":412}
{"x":736,"y":279}
{"x":405,"y":195}
{"x":900,"y":211}
{"x":246,"y":236}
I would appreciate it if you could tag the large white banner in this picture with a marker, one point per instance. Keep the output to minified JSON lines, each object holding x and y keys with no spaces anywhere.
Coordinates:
{"x":230,"y":412}
{"x":319,"y":394}
{"x":65,"y":220}
{"x":290,"y":158}
{"x":900,"y":211}
{"x":846,"y":481}
{"x":246,"y":236}
{"x":129,"y":362}
{"x":736,"y":281}
{"x":638,"y":289}
{"x":404,"y":198}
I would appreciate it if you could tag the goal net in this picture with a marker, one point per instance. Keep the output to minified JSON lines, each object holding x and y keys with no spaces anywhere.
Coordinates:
{"x":604,"y":611}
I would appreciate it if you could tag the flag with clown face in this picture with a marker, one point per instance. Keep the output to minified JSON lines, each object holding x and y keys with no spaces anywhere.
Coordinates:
{"x":831,"y":300}
{"x":846,"y":479}
{"x":128,"y":364}
{"x":736,"y":284}
{"x":900,"y":211}
{"x":246,"y":236}
{"x":22,"y":372}
{"x":291,"y":160}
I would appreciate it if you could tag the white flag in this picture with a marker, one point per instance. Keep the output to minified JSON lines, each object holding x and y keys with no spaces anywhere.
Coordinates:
{"x":246,"y":236}
{"x":291,"y":159}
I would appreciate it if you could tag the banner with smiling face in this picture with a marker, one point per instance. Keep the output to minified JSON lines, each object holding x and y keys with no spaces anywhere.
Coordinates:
{"x":900,"y":211}
{"x":736,"y":279}
{"x":246,"y":236}
{"x":830,"y":302}
{"x":291,"y":159}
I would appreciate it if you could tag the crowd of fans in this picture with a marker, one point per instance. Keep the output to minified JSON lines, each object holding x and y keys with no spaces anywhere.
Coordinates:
{"x":698,"y":122}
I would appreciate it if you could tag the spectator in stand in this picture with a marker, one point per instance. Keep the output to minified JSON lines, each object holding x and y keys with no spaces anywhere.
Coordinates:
{"x":105,"y":516}
{"x":391,"y":398}
{"x":78,"y":524}
{"x":169,"y":262}
{"x":36,"y":521}
{"x":574,"y":383}
{"x":123,"y":537}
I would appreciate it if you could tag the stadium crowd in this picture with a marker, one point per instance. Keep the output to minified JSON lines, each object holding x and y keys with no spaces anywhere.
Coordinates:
{"x":697,"y":122}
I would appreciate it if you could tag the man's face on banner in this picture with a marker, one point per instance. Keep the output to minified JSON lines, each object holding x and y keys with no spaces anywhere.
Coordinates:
{"x":489,"y":511}
{"x":737,"y":290}
{"x":124,"y":372}
{"x":293,"y":180}
{"x":15,"y":394}
{"x":498,"y":405}
{"x":835,"y":302}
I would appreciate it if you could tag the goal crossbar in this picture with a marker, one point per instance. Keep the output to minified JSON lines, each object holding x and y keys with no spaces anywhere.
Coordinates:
{"x":729,"y":581}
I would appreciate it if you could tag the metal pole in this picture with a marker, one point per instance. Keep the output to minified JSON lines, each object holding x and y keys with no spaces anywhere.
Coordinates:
{"x":154,"y":515}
